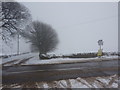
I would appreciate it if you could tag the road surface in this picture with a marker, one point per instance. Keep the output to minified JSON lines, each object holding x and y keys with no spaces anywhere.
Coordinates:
{"x":35,"y":73}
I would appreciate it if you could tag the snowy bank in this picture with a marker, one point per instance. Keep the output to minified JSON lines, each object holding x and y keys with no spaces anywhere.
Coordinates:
{"x":33,"y":58}
{"x":91,"y":82}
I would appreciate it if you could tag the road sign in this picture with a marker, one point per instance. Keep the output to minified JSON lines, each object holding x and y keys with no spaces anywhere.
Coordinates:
{"x":100,"y":42}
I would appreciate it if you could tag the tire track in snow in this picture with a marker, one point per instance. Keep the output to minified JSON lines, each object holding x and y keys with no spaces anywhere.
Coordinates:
{"x":10,"y":62}
{"x":22,"y":61}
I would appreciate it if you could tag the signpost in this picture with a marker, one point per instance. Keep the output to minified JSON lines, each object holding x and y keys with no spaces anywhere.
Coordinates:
{"x":100,"y":43}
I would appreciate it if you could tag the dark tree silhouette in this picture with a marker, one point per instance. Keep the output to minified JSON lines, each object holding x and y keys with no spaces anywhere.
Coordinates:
{"x":13,"y":18}
{"x":42,"y":36}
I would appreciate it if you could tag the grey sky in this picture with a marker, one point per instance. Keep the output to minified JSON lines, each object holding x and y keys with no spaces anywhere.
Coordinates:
{"x":79,"y":25}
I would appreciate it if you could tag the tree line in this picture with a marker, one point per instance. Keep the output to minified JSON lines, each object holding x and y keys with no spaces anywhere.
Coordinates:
{"x":16,"y":19}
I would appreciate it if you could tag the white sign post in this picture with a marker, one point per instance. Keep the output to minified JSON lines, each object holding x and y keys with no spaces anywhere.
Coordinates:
{"x":100,"y":43}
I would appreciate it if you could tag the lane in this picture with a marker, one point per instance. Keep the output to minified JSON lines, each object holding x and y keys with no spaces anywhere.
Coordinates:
{"x":109,"y":63}
{"x":32,"y":71}
{"x":15,"y":74}
{"x":56,"y":75}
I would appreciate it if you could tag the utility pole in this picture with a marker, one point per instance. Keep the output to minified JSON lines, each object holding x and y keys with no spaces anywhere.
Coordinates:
{"x":18,"y":43}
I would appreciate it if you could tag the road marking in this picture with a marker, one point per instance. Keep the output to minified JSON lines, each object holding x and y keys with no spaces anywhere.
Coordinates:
{"x":65,"y":70}
{"x":47,"y":70}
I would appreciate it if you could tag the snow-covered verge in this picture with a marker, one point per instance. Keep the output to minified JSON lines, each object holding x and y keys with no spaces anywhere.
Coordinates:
{"x":33,"y":58}
{"x":64,"y":60}
{"x":16,"y":59}
{"x":91,"y":82}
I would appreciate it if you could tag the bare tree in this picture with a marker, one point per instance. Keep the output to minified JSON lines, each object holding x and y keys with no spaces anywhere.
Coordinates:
{"x":42,"y":36}
{"x":13,"y":18}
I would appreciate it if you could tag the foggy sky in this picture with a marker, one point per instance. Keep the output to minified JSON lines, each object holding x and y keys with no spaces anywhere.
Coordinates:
{"x":79,"y":25}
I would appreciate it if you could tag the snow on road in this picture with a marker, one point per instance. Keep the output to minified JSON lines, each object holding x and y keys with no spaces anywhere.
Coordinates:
{"x":35,"y":59}
{"x":16,"y":59}
{"x":91,"y":82}
{"x":63,"y":60}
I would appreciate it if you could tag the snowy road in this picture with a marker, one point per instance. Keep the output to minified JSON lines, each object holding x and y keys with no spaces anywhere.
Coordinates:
{"x":24,"y":73}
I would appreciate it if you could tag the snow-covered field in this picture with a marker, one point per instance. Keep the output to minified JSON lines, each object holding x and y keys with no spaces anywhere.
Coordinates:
{"x":92,"y":82}
{"x":33,"y":58}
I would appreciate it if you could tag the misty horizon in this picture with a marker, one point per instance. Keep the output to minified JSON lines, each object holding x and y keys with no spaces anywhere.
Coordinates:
{"x":79,"y":25}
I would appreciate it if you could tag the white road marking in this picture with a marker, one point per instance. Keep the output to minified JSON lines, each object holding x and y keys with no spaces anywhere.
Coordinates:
{"x":48,"y":70}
